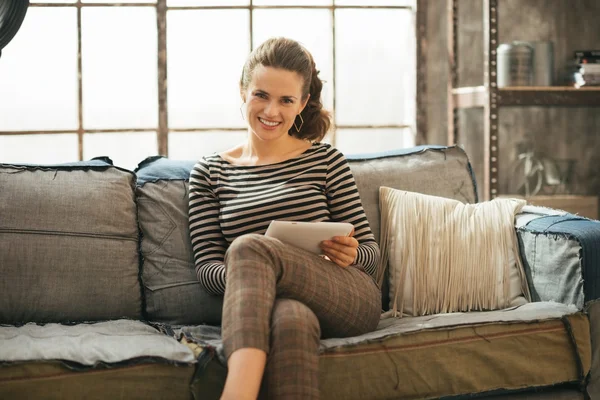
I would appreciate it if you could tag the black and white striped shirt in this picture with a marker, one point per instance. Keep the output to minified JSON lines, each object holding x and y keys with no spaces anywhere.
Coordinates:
{"x":227,"y":201}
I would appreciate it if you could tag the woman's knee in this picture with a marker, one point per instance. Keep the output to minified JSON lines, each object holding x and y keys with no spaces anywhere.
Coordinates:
{"x":250,"y":243}
{"x":244,"y":246}
{"x":252,"y":247}
{"x":291,"y":317}
{"x":243,"y":242}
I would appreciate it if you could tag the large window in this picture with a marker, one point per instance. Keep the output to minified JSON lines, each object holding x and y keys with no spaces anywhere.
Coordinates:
{"x":127,"y":80}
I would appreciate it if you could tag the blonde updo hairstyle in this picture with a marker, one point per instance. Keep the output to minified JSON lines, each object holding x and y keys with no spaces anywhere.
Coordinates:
{"x":292,"y":56}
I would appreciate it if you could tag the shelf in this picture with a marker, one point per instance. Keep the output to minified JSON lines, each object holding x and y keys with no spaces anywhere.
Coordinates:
{"x":491,"y":99}
{"x":549,"y":96}
{"x":469,"y":97}
{"x":585,"y":206}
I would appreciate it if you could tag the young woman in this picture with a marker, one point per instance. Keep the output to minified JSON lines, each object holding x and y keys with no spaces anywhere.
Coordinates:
{"x":280,"y":300}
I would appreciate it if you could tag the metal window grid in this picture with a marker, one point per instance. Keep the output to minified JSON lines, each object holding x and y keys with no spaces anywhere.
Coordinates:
{"x":163,"y":129}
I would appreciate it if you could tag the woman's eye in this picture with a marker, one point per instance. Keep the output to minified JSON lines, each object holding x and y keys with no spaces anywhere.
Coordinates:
{"x":261,"y":95}
{"x":288,"y":101}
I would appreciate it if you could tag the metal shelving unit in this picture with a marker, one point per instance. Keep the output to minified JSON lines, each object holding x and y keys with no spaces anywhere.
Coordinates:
{"x":491,"y":98}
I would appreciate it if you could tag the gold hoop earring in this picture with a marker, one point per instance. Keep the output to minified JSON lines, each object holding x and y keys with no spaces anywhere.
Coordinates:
{"x":241,"y":112}
{"x":301,"y":123}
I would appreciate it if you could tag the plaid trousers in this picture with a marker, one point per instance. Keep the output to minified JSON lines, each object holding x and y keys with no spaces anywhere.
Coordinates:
{"x":282,"y":300}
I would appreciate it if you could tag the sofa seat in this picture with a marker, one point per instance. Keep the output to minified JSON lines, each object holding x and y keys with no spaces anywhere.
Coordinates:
{"x":123,"y":359}
{"x":537,"y":345}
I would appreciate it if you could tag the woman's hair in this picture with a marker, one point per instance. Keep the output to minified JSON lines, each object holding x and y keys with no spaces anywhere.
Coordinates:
{"x":292,"y":56}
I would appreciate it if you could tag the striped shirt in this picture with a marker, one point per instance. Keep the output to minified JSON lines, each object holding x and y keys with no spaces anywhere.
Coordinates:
{"x":227,"y":201}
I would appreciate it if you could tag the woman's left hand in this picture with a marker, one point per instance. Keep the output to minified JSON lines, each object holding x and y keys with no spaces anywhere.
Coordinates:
{"x":341,"y":250}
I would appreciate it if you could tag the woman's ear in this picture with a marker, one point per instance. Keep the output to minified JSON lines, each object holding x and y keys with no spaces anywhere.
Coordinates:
{"x":304,"y":103}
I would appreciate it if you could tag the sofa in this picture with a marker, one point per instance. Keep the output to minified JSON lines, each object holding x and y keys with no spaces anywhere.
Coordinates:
{"x":99,"y":297}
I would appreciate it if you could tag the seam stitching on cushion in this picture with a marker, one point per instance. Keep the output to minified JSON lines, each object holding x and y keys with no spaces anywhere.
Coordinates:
{"x":474,"y":338}
{"x":573,"y":342}
{"x":63,"y":233}
{"x":165,"y":214}
{"x":70,"y":374}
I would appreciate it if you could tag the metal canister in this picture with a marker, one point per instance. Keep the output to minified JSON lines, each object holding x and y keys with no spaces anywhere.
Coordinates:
{"x":543,"y":63}
{"x":515,"y":64}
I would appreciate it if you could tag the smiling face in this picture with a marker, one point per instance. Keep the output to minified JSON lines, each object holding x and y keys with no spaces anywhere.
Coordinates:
{"x":273,"y":100}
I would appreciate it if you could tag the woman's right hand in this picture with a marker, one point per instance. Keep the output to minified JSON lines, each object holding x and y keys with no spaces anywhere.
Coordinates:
{"x":341,"y":250}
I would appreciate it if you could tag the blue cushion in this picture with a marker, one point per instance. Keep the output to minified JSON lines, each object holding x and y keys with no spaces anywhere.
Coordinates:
{"x":157,"y":168}
{"x":549,"y":269}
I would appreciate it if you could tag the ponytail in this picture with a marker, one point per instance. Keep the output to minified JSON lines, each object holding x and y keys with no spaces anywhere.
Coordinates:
{"x":317,"y":120}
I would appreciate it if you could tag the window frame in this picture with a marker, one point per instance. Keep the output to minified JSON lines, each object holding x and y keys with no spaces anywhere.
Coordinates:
{"x":162,"y":129}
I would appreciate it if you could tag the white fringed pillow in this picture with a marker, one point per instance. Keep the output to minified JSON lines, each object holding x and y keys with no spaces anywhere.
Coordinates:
{"x":446,"y":256}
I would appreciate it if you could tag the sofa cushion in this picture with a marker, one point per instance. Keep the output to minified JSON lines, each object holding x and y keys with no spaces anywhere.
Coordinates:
{"x":533,"y":346}
{"x":561,"y":253}
{"x":113,"y":359}
{"x":57,"y":380}
{"x":173,"y":293}
{"x":435,"y":170}
{"x":68,"y":243}
{"x":592,"y":308}
{"x":447,"y":256}
{"x":89,"y":344}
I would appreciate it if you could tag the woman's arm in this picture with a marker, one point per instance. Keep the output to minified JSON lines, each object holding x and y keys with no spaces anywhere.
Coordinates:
{"x":345,"y":206}
{"x":208,"y":242}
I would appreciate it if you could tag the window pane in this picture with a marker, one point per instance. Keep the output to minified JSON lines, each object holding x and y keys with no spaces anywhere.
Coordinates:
{"x":51,"y":1}
{"x":119,"y":67}
{"x":126,"y":149}
{"x":206,"y":54}
{"x":38,"y":77}
{"x":375,"y":67}
{"x":410,"y":3}
{"x":318,"y":39}
{"x":328,"y":137}
{"x":193,"y":145}
{"x":360,"y":141}
{"x":206,"y":3}
{"x":118,"y":1}
{"x":38,"y":149}
{"x":292,"y":2}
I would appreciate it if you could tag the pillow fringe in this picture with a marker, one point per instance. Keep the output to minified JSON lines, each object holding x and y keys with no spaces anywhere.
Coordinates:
{"x":473,"y":270}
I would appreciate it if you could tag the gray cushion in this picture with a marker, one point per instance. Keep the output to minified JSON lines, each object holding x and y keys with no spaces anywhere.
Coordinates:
{"x":173,"y":293}
{"x":68,"y":243}
{"x":113,"y":342}
{"x":434,"y":170}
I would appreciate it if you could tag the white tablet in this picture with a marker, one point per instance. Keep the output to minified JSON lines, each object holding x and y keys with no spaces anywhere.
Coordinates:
{"x":307,"y":235}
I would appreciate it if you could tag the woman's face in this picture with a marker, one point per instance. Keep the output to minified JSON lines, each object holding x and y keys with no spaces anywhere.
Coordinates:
{"x":273,"y":99}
